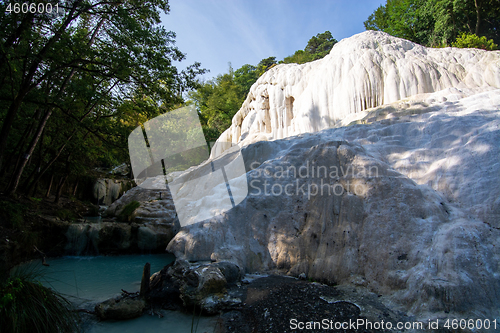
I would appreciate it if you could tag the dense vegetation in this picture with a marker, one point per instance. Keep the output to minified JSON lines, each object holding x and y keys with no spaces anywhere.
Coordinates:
{"x":73,"y":84}
{"x":218,"y":100}
{"x":439,"y":23}
{"x":27,"y":306}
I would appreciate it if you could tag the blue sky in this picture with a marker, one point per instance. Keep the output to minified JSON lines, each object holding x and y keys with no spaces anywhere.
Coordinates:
{"x":216,"y":32}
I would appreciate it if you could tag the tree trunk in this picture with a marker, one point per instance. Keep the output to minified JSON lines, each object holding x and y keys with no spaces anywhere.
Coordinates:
{"x":478,"y":17}
{"x":49,"y":164}
{"x":19,"y":171}
{"x":75,"y":188}
{"x":8,"y":121}
{"x":50,"y":186}
{"x":27,"y":85}
{"x":19,"y":147}
{"x":20,"y":168}
{"x":60,"y":189}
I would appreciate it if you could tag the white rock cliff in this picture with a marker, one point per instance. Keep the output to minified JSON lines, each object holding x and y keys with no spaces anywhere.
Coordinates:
{"x":364,"y":71}
{"x":377,"y":167}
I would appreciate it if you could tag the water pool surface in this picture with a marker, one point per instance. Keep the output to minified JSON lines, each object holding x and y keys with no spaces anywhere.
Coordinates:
{"x":88,"y":280}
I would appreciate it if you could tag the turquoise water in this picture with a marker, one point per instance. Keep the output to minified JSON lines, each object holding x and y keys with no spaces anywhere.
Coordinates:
{"x":88,"y":280}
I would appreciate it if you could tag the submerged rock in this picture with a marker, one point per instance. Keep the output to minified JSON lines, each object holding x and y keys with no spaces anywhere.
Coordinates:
{"x":120,"y":309}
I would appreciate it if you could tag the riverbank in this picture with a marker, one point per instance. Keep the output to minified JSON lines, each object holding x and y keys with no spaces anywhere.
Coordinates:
{"x":276,"y":303}
{"x":29,"y":227}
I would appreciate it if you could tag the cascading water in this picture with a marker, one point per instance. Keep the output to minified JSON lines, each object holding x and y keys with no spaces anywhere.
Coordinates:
{"x":83,"y":239}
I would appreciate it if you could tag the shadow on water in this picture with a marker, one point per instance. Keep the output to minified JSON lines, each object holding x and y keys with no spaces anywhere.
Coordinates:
{"x":86,"y":280}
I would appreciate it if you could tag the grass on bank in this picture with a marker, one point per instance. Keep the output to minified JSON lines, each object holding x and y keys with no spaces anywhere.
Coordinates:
{"x":28,"y":306}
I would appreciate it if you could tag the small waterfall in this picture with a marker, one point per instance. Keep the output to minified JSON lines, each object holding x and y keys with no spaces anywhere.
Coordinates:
{"x":83,"y":239}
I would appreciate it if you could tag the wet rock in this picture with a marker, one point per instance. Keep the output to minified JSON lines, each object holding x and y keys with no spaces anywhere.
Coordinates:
{"x":195,"y":285}
{"x":231,"y":271}
{"x":108,"y":190}
{"x":120,"y":309}
{"x":155,"y":217}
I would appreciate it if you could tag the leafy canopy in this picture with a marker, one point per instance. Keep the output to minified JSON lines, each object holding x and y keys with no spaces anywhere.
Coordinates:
{"x":67,"y":81}
{"x":437,"y":22}
{"x":317,"y":47}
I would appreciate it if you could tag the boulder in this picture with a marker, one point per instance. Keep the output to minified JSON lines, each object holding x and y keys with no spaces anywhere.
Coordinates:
{"x":196,"y":285}
{"x":120,"y":309}
{"x":155,"y":218}
{"x":202,"y":283}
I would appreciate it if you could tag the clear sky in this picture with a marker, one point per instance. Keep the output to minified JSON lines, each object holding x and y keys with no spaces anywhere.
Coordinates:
{"x":216,"y":32}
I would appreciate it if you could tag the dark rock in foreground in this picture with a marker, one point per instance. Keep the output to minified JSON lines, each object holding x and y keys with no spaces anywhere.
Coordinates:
{"x":120,"y":308}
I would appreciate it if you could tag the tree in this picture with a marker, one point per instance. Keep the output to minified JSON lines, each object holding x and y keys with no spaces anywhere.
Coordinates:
{"x":466,"y":40}
{"x":265,"y":64}
{"x":320,"y":45}
{"x":63,"y":76}
{"x":317,"y":47}
{"x":378,"y":20}
{"x":217,"y":101}
{"x":437,"y":22}
{"x":245,"y":77}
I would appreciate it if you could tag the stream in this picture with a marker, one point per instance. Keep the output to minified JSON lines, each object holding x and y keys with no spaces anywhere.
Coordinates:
{"x":86,"y":280}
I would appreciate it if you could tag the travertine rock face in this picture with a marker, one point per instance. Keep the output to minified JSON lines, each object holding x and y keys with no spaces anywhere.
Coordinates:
{"x":360,"y":223}
{"x":364,"y":71}
{"x":156,"y":217}
{"x":412,"y":166}
{"x":401,"y":196}
{"x":108,"y":190}
{"x":120,"y":309}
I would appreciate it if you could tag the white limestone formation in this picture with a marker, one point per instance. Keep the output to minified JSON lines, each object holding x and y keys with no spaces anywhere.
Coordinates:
{"x":364,"y":71}
{"x":422,"y":229}
{"x":409,"y":205}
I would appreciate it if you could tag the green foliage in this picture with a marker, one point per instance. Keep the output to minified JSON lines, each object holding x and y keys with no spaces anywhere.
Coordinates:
{"x":402,"y":18}
{"x":245,"y":77}
{"x":128,"y":210}
{"x":378,"y":20}
{"x":12,"y":214}
{"x":436,"y":23}
{"x":66,"y":214}
{"x":27,"y":306}
{"x":67,"y":80}
{"x":299,"y":57}
{"x":218,"y":100}
{"x":467,"y":40}
{"x":320,"y":45}
{"x":317,"y":47}
{"x":265,"y":64}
